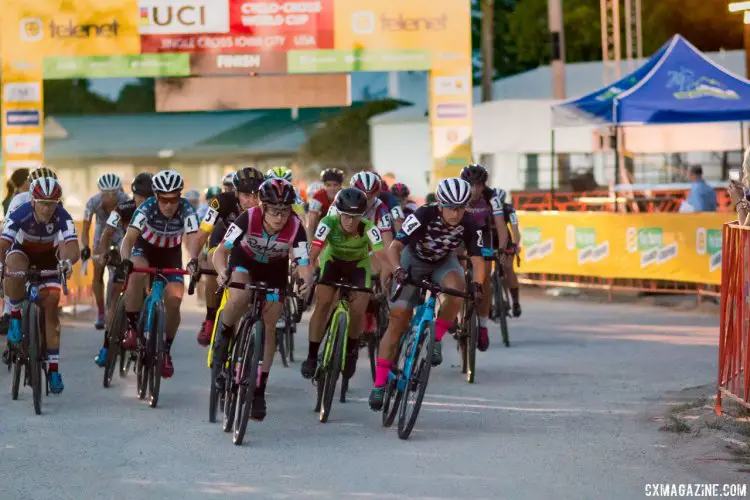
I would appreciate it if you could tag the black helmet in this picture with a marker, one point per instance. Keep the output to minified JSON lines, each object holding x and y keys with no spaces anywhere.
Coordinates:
{"x":277,"y":192}
{"x":332,"y":175}
{"x":474,"y":173}
{"x":351,"y":201}
{"x":430,"y":198}
{"x":142,"y":185}
{"x":248,"y":180}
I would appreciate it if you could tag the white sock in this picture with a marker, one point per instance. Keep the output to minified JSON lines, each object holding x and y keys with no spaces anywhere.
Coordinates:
{"x":6,"y":306}
{"x":482,"y":322}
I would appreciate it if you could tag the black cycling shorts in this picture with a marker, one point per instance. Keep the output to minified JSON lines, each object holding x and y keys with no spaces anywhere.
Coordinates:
{"x":275,"y":273}
{"x":160,"y":257}
{"x":43,"y":261}
{"x":351,"y":271}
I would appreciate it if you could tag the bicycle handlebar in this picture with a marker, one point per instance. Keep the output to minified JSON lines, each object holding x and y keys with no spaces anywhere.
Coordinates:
{"x":345,"y":285}
{"x":194,"y":279}
{"x":42,"y":273}
{"x":427,"y":284}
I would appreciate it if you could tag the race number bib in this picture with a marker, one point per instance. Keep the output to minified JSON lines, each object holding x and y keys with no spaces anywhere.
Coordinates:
{"x":375,"y":237}
{"x":497,"y":205}
{"x":397,"y":213}
{"x":191,"y":224}
{"x":233,"y":233}
{"x":385,"y":222}
{"x":211,"y":217}
{"x":139,"y":221}
{"x":322,"y":232}
{"x":411,"y":224}
{"x":480,"y":239}
{"x":114,"y":219}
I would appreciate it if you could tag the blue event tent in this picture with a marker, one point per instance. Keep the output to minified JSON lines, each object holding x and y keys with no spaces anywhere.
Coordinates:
{"x":678,"y":84}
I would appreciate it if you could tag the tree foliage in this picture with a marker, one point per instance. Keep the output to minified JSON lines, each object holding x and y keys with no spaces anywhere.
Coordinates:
{"x":343,"y":141}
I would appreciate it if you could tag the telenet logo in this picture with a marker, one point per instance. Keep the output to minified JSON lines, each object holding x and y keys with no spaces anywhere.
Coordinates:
{"x":32,"y":29}
{"x":364,"y":22}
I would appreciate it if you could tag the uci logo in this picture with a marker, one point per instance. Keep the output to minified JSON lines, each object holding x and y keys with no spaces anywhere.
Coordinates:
{"x":32,"y":29}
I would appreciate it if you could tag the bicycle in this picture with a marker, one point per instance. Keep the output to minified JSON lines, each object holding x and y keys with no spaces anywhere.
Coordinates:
{"x":286,"y":327}
{"x":239,"y":378}
{"x":467,"y":330}
{"x":30,"y":354}
{"x":332,"y":358}
{"x":411,"y":373}
{"x":152,"y":333}
{"x":382,"y":312}
{"x":118,"y":325}
{"x":500,"y":302}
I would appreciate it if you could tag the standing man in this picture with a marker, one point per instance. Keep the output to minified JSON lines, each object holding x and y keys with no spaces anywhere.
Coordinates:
{"x":702,"y":197}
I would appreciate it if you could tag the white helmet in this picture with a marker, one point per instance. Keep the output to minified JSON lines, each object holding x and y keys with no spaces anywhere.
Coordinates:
{"x":109,"y":182}
{"x":167,"y":181}
{"x":454,"y":192}
{"x":365,"y":181}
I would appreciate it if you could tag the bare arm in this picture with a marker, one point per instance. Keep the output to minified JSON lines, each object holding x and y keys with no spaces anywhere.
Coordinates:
{"x":85,"y":233}
{"x":70,"y":251}
{"x":394,"y":253}
{"x":131,"y":236}
{"x":312,"y":224}
{"x":199,"y":242}
{"x":502,"y":231}
{"x":516,"y":233}
{"x":103,"y":246}
{"x":477,"y":264}
{"x":315,"y":253}
{"x":221,"y":257}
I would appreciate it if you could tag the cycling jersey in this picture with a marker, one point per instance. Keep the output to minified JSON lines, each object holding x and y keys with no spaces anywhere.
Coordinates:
{"x":161,"y":231}
{"x":95,"y":207}
{"x":32,"y":236}
{"x":248,"y":235}
{"x":17,"y":201}
{"x":121,"y":216}
{"x":223,"y":209}
{"x":391,"y":202}
{"x":377,"y":214}
{"x":431,"y":239}
{"x":320,"y":202}
{"x":340,"y":245}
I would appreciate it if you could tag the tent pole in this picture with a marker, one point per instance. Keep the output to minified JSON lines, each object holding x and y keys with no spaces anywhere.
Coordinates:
{"x":553,"y":165}
{"x":617,"y":163}
{"x":742,"y":137}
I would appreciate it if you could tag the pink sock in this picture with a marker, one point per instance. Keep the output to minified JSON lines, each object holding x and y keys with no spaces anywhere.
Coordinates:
{"x":441,"y":328}
{"x":382,"y":368}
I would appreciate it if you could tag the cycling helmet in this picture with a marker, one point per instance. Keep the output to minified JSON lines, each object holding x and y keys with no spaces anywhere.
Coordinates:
{"x":474,"y":173}
{"x":400,"y":190}
{"x":228,"y":179}
{"x":453,"y":192}
{"x":248,"y":180}
{"x":430,"y":198}
{"x":366,"y":181}
{"x":277,"y":192}
{"x":212,"y":192}
{"x":142,"y":185}
{"x":193,"y":196}
{"x":332,"y":175}
{"x":41,"y":172}
{"x":109,"y":182}
{"x":167,"y":181}
{"x":502,"y":194}
{"x":351,"y":201}
{"x":383,"y":184}
{"x":279,"y":173}
{"x":46,"y":188}
{"x":314,"y":188}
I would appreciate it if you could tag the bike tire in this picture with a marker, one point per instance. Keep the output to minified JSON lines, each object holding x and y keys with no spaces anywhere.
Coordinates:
{"x":31,"y":312}
{"x":472,"y":338}
{"x":419,"y":377}
{"x":372,"y":353}
{"x":255,"y":336}
{"x":143,"y":363}
{"x":115,"y":334}
{"x":333,"y":369}
{"x":281,"y":344}
{"x":392,"y":396}
{"x":215,"y":370}
{"x":17,"y":367}
{"x":289,"y":342}
{"x":231,"y":388}
{"x":156,"y":340}
{"x":498,"y":286}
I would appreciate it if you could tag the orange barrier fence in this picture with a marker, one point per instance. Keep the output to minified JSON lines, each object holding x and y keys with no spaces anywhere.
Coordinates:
{"x":734,"y":329}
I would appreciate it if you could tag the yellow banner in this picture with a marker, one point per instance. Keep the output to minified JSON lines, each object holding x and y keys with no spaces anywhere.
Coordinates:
{"x":661,"y":246}
{"x":33,"y":29}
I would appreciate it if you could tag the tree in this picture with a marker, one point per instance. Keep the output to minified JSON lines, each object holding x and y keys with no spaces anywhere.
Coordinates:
{"x":137,"y":97}
{"x":343,"y":141}
{"x":74,"y":97}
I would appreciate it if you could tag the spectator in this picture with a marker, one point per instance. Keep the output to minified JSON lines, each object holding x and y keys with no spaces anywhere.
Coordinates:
{"x":17,"y":183}
{"x":738,"y":193}
{"x":702,"y":197}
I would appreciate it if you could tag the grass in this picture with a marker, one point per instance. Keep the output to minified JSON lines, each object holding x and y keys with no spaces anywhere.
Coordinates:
{"x":696,"y":403}
{"x":675,"y":424}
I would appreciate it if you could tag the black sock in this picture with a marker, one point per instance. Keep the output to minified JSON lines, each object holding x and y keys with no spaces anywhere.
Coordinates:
{"x":168,"y":344}
{"x":514,"y":294}
{"x":106,"y":340}
{"x":211,"y":313}
{"x":312,"y":350}
{"x":261,"y":389}
{"x":226,"y":331}
{"x":133,"y":319}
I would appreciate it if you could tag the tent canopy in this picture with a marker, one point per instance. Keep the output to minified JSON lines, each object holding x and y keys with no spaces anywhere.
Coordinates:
{"x":678,"y":84}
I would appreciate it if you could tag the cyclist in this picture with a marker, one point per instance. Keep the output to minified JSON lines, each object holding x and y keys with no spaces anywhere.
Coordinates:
{"x":332,"y":179}
{"x":194,"y":198}
{"x":223,"y":211}
{"x":31,"y":237}
{"x":226,"y":182}
{"x":427,"y":244}
{"x":101,"y":204}
{"x":260,"y":242}
{"x":401,"y":192}
{"x":344,"y":243}
{"x":119,"y":220}
{"x":430,"y":199}
{"x":153,"y":239}
{"x":286,"y":174}
{"x":394,"y":208}
{"x":493,"y":216}
{"x":210,"y":193}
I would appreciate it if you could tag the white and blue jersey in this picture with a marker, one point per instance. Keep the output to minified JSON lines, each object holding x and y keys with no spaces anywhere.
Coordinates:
{"x":161,"y":231}
{"x":95,"y":207}
{"x":33,"y":237}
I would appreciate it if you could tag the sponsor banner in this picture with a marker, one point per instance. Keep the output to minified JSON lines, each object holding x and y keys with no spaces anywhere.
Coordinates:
{"x":181,"y":17}
{"x":143,"y":66}
{"x":254,"y":26}
{"x":22,"y":118}
{"x":451,"y":85}
{"x":23,"y":144}
{"x":235,"y":64}
{"x":39,"y":28}
{"x":674,"y":247}
{"x":257,"y":92}
{"x":12,"y":165}
{"x":334,"y":61}
{"x":452,"y":110}
{"x":22,"y":92}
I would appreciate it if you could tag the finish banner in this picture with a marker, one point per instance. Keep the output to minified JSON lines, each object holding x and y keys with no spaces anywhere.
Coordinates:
{"x":659,"y":246}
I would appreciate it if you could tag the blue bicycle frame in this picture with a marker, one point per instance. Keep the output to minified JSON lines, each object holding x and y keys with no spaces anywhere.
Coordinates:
{"x":425,"y":313}
{"x":152,"y":300}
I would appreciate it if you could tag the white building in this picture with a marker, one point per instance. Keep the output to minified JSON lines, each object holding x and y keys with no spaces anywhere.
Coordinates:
{"x":515,"y":131}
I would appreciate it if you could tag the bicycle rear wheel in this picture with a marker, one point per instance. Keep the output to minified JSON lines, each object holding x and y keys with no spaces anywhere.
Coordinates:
{"x":250,"y":367}
{"x":281,"y":340}
{"x":392,"y":396}
{"x":502,"y":306}
{"x":156,"y":352}
{"x":217,"y":344}
{"x":290,"y":315}
{"x":115,"y":334}
{"x":32,"y":330}
{"x":18,"y":365}
{"x":142,"y":363}
{"x":419,"y":350}
{"x":332,"y":365}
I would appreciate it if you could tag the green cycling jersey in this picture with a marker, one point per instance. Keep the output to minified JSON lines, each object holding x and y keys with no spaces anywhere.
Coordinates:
{"x":339,"y":245}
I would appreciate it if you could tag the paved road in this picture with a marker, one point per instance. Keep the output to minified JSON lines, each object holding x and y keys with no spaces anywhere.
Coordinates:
{"x":559,"y":415}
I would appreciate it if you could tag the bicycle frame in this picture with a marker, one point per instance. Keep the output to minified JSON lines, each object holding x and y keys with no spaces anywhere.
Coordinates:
{"x":341,"y":308}
{"x":425,"y":312}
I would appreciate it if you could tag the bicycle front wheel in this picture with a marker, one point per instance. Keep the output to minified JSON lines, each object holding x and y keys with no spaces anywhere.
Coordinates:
{"x":36,"y":356}
{"x":471,"y":326}
{"x":115,"y":334}
{"x":417,"y":374}
{"x":249,"y":367}
{"x":332,"y":365}
{"x":502,"y":306}
{"x":156,"y":341}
